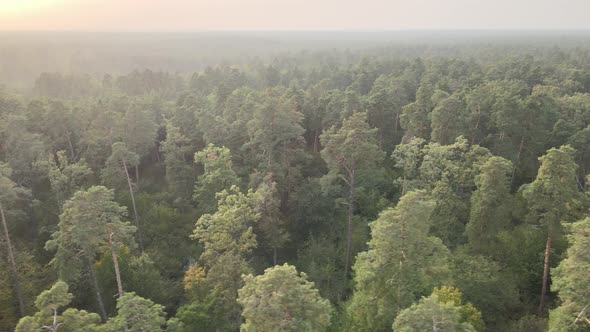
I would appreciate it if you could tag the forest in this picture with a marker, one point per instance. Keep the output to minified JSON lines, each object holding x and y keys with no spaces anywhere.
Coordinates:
{"x":355,"y":185}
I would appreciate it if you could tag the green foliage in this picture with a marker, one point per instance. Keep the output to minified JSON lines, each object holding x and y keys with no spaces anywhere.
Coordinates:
{"x":487,"y":285}
{"x":228,"y":238}
{"x":448,"y":120}
{"x":448,"y":172}
{"x":179,"y":173}
{"x":136,"y":314}
{"x":139,"y":274}
{"x":65,"y":178}
{"x":415,"y":119}
{"x":321,"y":260}
{"x":88,"y":219}
{"x":352,"y":147}
{"x":202,"y":314}
{"x":571,"y":279}
{"x":491,"y":206}
{"x":307,"y":132}
{"x":552,"y":197}
{"x":528,"y":323}
{"x":118,"y":165}
{"x":432,"y":314}
{"x":469,"y":314}
{"x":282,"y":300}
{"x":276,"y":136}
{"x":271,"y":225}
{"x":407,"y":158}
{"x":138,"y":130}
{"x":47,"y":318}
{"x":218,"y":175}
{"x":403,"y":262}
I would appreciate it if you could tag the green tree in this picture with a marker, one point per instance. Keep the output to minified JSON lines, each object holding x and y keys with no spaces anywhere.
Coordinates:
{"x":271,"y":225}
{"x":448,"y":120}
{"x":218,"y":175}
{"x":91,"y":223}
{"x":117,"y":169}
{"x":571,"y":279}
{"x":48,"y":318}
{"x":491,"y":206}
{"x":22,"y":148}
{"x":384,"y":106}
{"x":228,"y":238}
{"x":551,"y":199}
{"x":276,"y":140}
{"x":282,"y":300}
{"x":432,"y":314}
{"x":138,"y":131}
{"x":408,"y":157}
{"x":448,"y":173}
{"x":402,"y":263}
{"x":136,"y":314}
{"x":8,"y":194}
{"x":348,"y":150}
{"x":65,"y":178}
{"x":469,"y":313}
{"x":415,"y":118}
{"x":179,"y":174}
{"x":488,"y":284}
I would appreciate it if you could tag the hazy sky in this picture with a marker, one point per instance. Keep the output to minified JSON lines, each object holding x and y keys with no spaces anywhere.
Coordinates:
{"x":174,"y":15}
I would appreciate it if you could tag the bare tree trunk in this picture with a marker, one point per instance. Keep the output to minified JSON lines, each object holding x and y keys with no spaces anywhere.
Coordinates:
{"x":158,"y":157}
{"x":349,"y":226}
{"x":274,"y":256}
{"x":316,"y":141}
{"x":103,"y":312}
{"x":116,"y":265}
{"x":17,"y":289}
{"x":545,"y":274}
{"x":137,"y":175}
{"x":139,"y":235}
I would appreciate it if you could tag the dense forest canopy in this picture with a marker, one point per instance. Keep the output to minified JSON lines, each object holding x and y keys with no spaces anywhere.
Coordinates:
{"x":295,"y":181}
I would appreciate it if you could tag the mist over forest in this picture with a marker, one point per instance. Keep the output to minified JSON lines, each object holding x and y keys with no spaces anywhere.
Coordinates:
{"x":262,"y":181}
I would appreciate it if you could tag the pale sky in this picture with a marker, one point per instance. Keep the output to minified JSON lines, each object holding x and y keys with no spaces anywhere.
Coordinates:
{"x":182,"y":15}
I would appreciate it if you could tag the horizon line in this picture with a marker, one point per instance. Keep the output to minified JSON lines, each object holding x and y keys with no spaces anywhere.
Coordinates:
{"x":368,"y":30}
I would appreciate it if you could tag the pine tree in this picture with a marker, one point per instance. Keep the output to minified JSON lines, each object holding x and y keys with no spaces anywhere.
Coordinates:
{"x":91,"y":223}
{"x":348,"y":150}
{"x":551,"y":199}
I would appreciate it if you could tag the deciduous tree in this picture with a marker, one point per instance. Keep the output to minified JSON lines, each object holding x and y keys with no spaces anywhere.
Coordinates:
{"x":282,"y":300}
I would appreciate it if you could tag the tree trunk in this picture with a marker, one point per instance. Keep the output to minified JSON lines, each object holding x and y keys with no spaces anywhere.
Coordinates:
{"x":139,"y":236}
{"x":517,"y":160}
{"x":17,"y":289}
{"x":545,"y":274}
{"x":158,"y":157}
{"x":71,"y":146}
{"x":316,"y":141}
{"x":137,"y":175}
{"x":349,"y":226}
{"x":274,"y":256}
{"x":116,"y":265}
{"x":103,"y":312}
